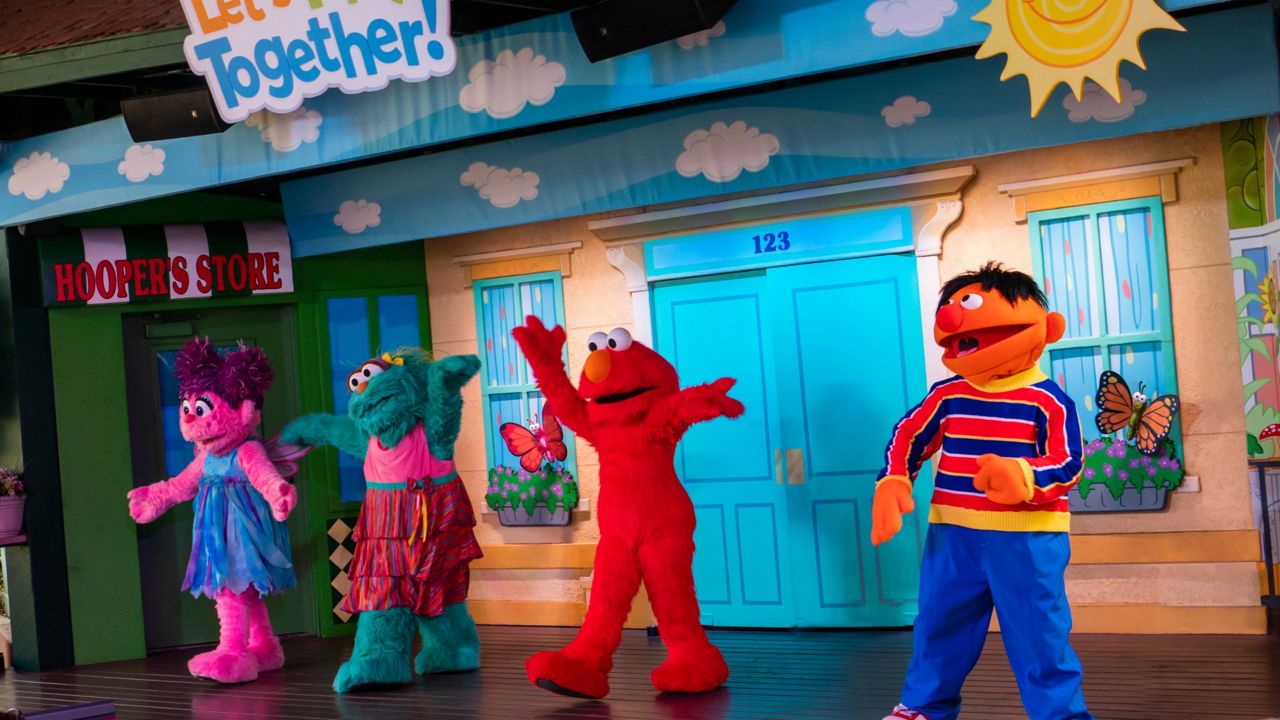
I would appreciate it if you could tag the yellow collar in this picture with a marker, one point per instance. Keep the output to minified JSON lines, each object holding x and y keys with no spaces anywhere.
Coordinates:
{"x":1030,"y":376}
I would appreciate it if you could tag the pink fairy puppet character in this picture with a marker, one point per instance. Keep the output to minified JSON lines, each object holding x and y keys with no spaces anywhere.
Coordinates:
{"x":239,"y":541}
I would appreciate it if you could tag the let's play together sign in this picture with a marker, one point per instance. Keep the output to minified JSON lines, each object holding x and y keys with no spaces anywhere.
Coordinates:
{"x":273,"y":54}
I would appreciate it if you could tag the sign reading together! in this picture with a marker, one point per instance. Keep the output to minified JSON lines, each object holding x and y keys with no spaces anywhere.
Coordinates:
{"x":273,"y":54}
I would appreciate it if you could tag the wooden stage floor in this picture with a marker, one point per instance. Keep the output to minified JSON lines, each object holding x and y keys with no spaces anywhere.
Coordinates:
{"x":852,"y":675}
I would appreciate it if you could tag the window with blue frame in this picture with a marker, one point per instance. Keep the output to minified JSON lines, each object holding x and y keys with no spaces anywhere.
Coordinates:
{"x":1105,"y":268}
{"x":508,"y":389}
{"x":360,"y":327}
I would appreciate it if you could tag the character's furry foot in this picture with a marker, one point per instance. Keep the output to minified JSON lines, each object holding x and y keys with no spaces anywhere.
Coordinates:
{"x":691,"y":670}
{"x":224,"y":666}
{"x":437,"y":658}
{"x":565,"y":675}
{"x":366,"y":671}
{"x":268,"y":652}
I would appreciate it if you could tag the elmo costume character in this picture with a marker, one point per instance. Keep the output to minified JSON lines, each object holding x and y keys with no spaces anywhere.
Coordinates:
{"x":629,"y":406}
{"x":1009,"y":449}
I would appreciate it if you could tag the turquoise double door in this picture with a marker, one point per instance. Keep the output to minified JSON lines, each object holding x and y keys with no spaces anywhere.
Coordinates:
{"x":828,"y":356}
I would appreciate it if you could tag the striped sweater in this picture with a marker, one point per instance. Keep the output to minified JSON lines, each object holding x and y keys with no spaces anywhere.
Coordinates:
{"x":1026,"y":416}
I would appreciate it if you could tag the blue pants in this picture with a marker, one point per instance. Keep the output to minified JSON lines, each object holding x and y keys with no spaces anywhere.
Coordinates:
{"x":964,"y":574}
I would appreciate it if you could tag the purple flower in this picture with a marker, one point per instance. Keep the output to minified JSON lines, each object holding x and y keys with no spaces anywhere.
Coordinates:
{"x":1124,"y":474}
{"x":524,"y":496}
{"x":1106,"y":470}
{"x":524,"y":475}
{"x":546,"y":493}
{"x":1133,"y":463}
{"x":1151,"y":471}
{"x":558,"y":489}
{"x":1089,"y":473}
{"x":1173,"y":464}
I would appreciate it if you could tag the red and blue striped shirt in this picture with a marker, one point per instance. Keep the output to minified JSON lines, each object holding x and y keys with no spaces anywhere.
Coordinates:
{"x":1026,"y":417}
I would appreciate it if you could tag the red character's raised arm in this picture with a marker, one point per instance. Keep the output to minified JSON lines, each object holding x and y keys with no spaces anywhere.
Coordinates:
{"x":672,"y":416}
{"x":544,"y":351}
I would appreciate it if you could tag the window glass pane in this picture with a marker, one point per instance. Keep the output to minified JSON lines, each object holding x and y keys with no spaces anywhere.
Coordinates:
{"x":1133,"y":294}
{"x":1251,"y":280}
{"x":1143,"y":363}
{"x":503,"y":408}
{"x":1076,"y":371}
{"x":538,"y":298}
{"x":398,"y":322}
{"x":348,"y":347}
{"x":498,"y":313}
{"x":1067,"y":257}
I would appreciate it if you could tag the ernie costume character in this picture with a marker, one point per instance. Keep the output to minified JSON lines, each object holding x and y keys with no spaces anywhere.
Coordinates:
{"x":1009,"y":448}
{"x":629,"y":406}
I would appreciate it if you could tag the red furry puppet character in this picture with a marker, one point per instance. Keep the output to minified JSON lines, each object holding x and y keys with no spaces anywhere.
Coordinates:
{"x":629,"y":406}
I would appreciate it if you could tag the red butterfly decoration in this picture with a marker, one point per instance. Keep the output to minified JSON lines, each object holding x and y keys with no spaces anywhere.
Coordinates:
{"x":535,"y":445}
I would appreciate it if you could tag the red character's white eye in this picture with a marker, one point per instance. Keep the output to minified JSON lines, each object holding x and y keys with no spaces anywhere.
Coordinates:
{"x":597,"y":341}
{"x":619,"y":339}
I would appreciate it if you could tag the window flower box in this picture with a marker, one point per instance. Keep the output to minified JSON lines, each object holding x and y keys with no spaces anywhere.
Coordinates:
{"x":1119,"y":478}
{"x":522,"y":498}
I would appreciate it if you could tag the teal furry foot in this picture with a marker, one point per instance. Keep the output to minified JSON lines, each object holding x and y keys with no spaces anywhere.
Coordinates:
{"x":450,"y":642}
{"x":384,"y":640}
{"x":371,"y":671}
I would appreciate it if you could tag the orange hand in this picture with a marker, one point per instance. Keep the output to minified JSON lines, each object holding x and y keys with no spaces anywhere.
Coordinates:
{"x":892,"y":500}
{"x":1002,"y":479}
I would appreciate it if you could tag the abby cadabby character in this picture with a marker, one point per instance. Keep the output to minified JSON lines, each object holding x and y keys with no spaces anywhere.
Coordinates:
{"x":415,"y":537}
{"x":239,"y":542}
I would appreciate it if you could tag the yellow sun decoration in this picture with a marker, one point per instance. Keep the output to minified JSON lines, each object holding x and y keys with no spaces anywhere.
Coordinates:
{"x":1067,"y":41}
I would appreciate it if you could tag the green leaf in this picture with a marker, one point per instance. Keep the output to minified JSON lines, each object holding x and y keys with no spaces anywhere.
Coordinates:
{"x":1252,"y":388}
{"x":1257,"y":345}
{"x":1255,"y":447}
{"x":1250,"y":321}
{"x":1242,"y":302}
{"x":1240,"y":262}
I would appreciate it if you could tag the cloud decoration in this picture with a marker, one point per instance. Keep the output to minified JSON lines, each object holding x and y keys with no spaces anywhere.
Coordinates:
{"x":503,"y":87}
{"x":502,"y":187}
{"x":721,"y":153}
{"x":141,"y":162}
{"x":355,"y":216}
{"x":37,"y":175}
{"x":905,"y":111}
{"x":1096,"y":104}
{"x":701,"y":38}
{"x":912,"y":18}
{"x":287,"y":131}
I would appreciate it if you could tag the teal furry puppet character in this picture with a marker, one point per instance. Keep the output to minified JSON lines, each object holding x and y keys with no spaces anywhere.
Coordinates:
{"x":414,"y":538}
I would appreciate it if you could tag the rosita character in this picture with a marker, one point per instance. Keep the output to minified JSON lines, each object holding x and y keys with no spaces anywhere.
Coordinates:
{"x":1008,"y":449}
{"x":415,"y":536}
{"x":239,"y":542}
{"x":629,"y":405}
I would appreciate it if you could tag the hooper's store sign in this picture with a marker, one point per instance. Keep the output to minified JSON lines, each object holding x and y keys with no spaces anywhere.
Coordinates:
{"x":143,"y":263}
{"x":273,"y":54}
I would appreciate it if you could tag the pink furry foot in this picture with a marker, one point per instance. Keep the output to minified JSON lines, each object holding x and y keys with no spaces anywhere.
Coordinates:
{"x":559,"y":673}
{"x":269,"y":654}
{"x":691,"y":670}
{"x":224,"y":666}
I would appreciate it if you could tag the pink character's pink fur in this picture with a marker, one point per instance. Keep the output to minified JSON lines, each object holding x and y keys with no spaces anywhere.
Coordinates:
{"x":221,"y":396}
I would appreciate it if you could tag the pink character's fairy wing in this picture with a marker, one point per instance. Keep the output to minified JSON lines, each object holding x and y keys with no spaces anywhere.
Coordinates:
{"x":285,"y":456}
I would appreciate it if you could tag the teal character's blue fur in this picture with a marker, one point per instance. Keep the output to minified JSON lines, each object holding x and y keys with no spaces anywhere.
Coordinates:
{"x":390,"y":406}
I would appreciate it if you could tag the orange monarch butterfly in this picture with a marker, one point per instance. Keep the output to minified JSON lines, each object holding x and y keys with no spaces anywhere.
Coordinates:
{"x":1147,"y":421}
{"x":534,"y":444}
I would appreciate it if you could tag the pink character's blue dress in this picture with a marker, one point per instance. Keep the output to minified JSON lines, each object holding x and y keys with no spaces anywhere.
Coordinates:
{"x":235,"y":542}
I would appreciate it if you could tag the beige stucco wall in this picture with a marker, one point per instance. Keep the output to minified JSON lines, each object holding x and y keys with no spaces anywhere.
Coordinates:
{"x":1205,"y":344}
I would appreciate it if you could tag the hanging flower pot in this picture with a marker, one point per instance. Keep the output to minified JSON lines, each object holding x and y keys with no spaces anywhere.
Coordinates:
{"x":521,"y":498}
{"x":12,"y":501}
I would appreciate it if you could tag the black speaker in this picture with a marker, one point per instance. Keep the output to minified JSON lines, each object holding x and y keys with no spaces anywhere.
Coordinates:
{"x":164,"y":116}
{"x":616,"y":27}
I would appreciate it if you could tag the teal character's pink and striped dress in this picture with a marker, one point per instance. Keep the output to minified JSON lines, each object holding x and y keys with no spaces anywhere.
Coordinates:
{"x":415,"y":536}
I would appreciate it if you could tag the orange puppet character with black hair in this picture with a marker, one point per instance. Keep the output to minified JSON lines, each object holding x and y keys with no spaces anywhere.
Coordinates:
{"x":1008,"y":449}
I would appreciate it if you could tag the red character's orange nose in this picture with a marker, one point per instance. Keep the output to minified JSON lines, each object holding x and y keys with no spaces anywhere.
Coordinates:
{"x":950,"y":318}
{"x":598,"y":366}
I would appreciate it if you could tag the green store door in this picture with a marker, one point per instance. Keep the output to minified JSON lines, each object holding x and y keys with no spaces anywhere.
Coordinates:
{"x":828,"y":356}
{"x":172,"y":618}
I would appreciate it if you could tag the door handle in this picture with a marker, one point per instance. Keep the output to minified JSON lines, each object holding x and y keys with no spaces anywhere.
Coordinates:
{"x":779,"y":470}
{"x":795,"y":466}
